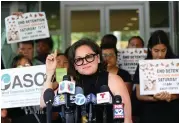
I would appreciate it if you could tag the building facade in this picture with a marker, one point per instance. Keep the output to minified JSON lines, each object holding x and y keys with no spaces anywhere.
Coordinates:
{"x":70,"y":21}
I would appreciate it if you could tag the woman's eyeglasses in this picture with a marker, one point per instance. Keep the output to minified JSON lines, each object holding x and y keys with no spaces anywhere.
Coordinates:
{"x":26,"y":65}
{"x":89,"y":58}
{"x":108,"y":55}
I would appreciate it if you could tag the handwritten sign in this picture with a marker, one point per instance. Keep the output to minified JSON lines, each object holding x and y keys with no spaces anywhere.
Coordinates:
{"x":128,"y":59}
{"x":159,"y":75}
{"x":22,"y":86}
{"x":28,"y":26}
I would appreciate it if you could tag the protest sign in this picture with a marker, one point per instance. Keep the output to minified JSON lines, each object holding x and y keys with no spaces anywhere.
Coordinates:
{"x":22,"y":86}
{"x":60,"y":72}
{"x":28,"y":26}
{"x":128,"y":59}
{"x":158,"y":76}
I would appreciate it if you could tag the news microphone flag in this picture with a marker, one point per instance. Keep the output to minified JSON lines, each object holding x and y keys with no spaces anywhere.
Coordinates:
{"x":104,"y":97}
{"x":91,"y":98}
{"x":118,"y":111}
{"x":66,"y":87}
{"x":118,"y":108}
{"x":59,"y":100}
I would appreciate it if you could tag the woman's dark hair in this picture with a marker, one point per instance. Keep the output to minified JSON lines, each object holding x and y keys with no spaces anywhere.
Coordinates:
{"x":109,"y":39}
{"x":159,"y":37}
{"x":66,"y":51}
{"x":136,"y":37}
{"x":71,"y":55}
{"x":17,"y":59}
{"x":109,"y":46}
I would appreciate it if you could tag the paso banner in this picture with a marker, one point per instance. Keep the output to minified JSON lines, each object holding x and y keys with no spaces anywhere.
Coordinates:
{"x":22,"y":86}
{"x":158,"y":76}
{"x":28,"y":26}
{"x":128,"y":59}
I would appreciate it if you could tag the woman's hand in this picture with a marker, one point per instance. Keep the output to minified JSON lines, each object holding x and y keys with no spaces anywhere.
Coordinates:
{"x":51,"y":63}
{"x":3,"y":113}
{"x":163,"y":96}
{"x":17,"y":13}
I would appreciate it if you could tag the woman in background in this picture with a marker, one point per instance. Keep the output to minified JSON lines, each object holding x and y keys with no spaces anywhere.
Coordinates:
{"x":162,"y":107}
{"x":109,"y":54}
{"x":28,"y":114}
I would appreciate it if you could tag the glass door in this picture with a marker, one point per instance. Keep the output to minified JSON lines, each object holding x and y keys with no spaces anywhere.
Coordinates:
{"x":124,"y":22}
{"x":123,"y":19}
{"x":84,"y":22}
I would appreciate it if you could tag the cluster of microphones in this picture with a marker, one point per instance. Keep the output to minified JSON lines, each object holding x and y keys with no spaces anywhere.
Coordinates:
{"x":73,"y":104}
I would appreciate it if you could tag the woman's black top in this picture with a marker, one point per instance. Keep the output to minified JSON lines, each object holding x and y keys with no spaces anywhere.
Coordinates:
{"x":92,"y":84}
{"x":124,"y":75}
{"x":160,"y":111}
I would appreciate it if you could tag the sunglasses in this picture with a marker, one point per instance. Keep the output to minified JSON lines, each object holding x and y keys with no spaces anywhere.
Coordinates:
{"x":89,"y":58}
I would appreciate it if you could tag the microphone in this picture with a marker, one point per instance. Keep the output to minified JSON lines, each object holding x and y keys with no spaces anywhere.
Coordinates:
{"x":66,"y":87}
{"x":91,"y":100}
{"x":118,"y":109}
{"x":59,"y":100}
{"x":104,"y":98}
{"x":48,"y":99}
{"x":80,"y":100}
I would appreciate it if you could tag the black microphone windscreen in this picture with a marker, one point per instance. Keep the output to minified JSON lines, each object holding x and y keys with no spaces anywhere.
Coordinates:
{"x":78,"y":90}
{"x":48,"y":96}
{"x":117,"y":99}
{"x":104,"y":88}
{"x":66,"y":77}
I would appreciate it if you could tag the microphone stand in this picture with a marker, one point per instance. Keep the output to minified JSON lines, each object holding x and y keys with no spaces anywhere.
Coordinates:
{"x":90,"y":113}
{"x":76,"y":115}
{"x":49,"y":112}
{"x":104,"y":115}
{"x":63,"y":114}
{"x":69,"y":114}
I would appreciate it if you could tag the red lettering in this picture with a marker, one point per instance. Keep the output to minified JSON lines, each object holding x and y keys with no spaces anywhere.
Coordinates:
{"x":102,"y":95}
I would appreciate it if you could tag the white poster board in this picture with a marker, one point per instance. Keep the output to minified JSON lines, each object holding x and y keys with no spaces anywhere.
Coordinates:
{"x":159,"y":75}
{"x":128,"y":59}
{"x":28,"y":26}
{"x":22,"y":86}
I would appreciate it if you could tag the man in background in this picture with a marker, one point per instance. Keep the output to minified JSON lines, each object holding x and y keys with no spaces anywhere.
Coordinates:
{"x":135,"y":42}
{"x":43,"y":48}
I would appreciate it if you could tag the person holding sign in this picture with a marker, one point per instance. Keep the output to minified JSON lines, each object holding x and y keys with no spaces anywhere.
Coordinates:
{"x":161,"y":107}
{"x":86,"y":68}
{"x":26,"y":48}
{"x":110,"y":56}
{"x":29,"y":114}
